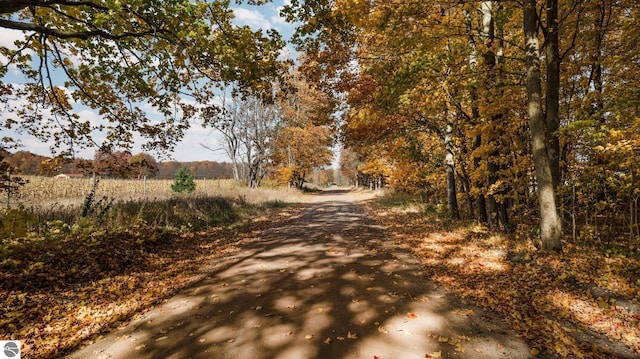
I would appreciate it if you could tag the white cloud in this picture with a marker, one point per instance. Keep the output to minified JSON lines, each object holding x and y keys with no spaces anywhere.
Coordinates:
{"x":7,"y":39}
{"x":253,"y":18}
{"x":190,"y":148}
{"x":9,"y":36}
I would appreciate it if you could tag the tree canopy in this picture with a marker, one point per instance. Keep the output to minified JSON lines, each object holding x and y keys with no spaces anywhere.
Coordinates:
{"x":513,"y":108}
{"x":145,"y":66}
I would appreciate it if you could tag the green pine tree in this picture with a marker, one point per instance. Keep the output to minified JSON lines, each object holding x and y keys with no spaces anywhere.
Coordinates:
{"x":183,"y":181}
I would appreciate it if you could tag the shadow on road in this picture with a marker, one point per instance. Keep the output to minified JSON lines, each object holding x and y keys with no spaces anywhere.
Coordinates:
{"x":327,"y":284}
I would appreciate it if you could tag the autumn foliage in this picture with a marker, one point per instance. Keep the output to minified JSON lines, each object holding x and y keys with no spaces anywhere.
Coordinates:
{"x":578,"y":303}
{"x":451,"y":100}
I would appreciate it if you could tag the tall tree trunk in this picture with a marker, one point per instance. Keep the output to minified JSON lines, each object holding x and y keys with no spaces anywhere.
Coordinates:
{"x":465,"y":183}
{"x":452,"y":200}
{"x":480,"y":204}
{"x":595,"y":77}
{"x":479,"y":201}
{"x":550,"y":224}
{"x":552,"y":58}
{"x":489,"y":62}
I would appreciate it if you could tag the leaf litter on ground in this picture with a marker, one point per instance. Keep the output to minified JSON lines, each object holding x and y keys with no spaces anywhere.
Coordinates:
{"x":59,"y":294}
{"x":562,"y":303}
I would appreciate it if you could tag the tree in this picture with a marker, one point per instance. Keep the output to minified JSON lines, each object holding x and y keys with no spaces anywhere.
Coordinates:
{"x":183,"y":181}
{"x":143,"y":164}
{"x":250,"y":125}
{"x":226,"y":121}
{"x":550,"y":224}
{"x":120,"y":58}
{"x":259,"y":130}
{"x":112,"y":164}
{"x":349,"y":163}
{"x":305,"y":140}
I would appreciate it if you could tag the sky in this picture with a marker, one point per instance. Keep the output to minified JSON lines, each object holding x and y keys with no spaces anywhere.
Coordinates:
{"x":190,"y":148}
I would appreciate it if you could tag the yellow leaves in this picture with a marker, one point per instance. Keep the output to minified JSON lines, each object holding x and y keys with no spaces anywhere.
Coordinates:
{"x":535,"y":303}
{"x":602,"y":303}
{"x":35,"y":267}
{"x":534,"y":351}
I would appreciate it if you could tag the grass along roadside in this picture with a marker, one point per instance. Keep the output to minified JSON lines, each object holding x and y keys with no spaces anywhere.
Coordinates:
{"x":581,"y":303}
{"x":62,"y":289}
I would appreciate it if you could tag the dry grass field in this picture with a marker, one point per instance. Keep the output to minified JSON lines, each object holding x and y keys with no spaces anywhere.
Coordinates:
{"x":49,"y":192}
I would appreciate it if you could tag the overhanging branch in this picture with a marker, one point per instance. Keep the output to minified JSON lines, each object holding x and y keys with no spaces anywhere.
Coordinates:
{"x":83,"y":35}
{"x":12,"y":6}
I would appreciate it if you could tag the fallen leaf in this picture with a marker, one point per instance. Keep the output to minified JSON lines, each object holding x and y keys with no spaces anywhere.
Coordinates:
{"x":412,"y":315}
{"x":437,"y":354}
{"x":352,"y":335}
{"x":308,"y":337}
{"x":327,"y":341}
{"x":534,"y":351}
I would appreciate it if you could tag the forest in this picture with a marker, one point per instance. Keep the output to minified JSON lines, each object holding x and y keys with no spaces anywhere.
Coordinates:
{"x":511,"y":112}
{"x":115,"y":165}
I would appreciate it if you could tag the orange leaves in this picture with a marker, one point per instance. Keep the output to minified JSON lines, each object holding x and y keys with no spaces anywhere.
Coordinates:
{"x":60,"y":293}
{"x":554,"y":300}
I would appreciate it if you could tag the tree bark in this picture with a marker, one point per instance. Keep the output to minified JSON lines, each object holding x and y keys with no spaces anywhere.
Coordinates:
{"x":479,"y":200}
{"x":452,"y":200}
{"x":550,"y":224}
{"x":489,"y":62}
{"x":552,"y":58}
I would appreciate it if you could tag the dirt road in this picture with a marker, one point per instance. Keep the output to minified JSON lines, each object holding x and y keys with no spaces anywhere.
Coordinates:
{"x":326,"y":284}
